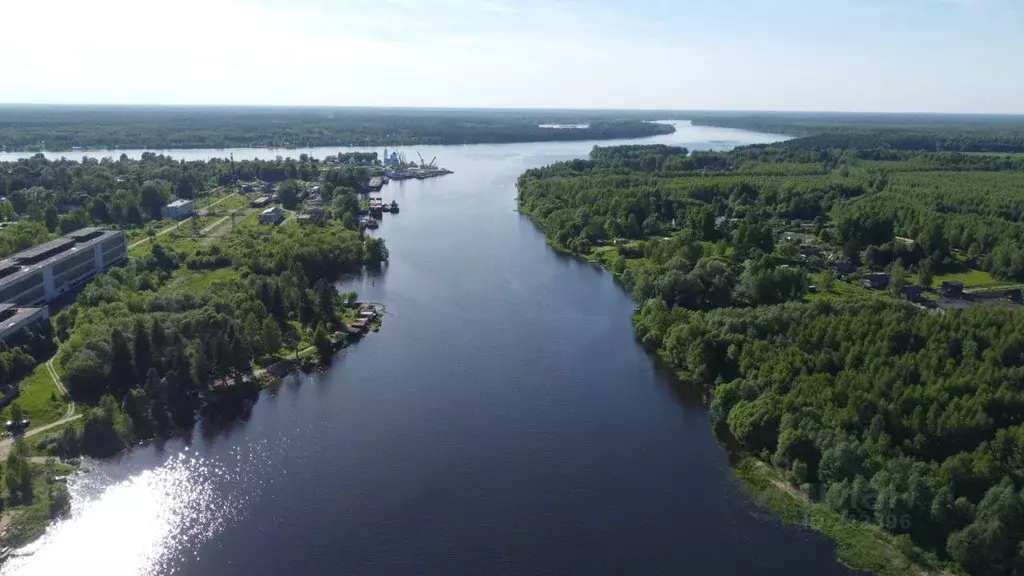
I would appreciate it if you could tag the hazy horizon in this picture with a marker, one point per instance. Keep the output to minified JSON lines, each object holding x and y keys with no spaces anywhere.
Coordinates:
{"x":866,"y":56}
{"x":680,"y":111}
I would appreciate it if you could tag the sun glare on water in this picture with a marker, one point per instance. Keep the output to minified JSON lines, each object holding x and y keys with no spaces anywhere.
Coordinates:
{"x":141,"y":525}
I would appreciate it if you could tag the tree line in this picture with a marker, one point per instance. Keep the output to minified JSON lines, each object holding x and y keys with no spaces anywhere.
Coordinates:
{"x":116,"y":127}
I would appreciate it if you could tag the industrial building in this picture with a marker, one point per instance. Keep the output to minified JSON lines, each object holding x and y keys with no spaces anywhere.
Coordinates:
{"x":178,"y":210}
{"x":14,"y":319}
{"x":43,"y":273}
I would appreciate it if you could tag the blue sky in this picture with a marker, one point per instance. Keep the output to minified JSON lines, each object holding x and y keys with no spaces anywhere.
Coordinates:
{"x":856,"y":55}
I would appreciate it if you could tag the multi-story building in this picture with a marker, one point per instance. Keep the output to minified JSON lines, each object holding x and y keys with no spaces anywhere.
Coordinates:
{"x":13,"y":319}
{"x":45,"y":272}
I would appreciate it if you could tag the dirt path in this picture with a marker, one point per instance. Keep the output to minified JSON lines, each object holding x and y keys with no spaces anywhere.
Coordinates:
{"x":6,"y":443}
{"x":60,"y":388}
{"x":69,"y":415}
{"x":177,"y":224}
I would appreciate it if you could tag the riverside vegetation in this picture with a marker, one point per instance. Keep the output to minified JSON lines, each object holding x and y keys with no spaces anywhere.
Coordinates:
{"x":903,"y":425}
{"x":181,"y":331}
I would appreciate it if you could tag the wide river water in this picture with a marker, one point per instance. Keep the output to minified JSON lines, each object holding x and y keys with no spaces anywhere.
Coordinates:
{"x":505,"y":420}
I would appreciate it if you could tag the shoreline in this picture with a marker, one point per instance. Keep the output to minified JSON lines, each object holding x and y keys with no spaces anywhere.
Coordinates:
{"x":860,"y":546}
{"x":22,"y":526}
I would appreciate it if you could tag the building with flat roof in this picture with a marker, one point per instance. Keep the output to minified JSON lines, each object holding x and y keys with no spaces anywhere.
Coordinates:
{"x":179,"y":210}
{"x":14,"y":319}
{"x":43,"y":273}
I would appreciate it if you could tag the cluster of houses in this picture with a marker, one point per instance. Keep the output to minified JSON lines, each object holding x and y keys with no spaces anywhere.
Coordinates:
{"x":951,"y":294}
{"x":367,"y":314}
{"x":314,"y":214}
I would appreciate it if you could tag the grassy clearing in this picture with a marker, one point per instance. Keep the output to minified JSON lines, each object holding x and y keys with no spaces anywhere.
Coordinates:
{"x":29,"y":521}
{"x":860,"y":546}
{"x":970,"y":278}
{"x":839,"y":289}
{"x":39,"y":399}
{"x":136,"y":234}
{"x":180,"y":239}
{"x":198,"y":282}
{"x":236,"y":201}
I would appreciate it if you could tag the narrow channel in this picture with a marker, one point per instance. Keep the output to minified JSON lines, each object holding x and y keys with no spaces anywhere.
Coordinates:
{"x":505,"y":420}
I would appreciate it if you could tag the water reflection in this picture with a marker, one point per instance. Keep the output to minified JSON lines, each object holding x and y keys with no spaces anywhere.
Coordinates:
{"x":151,"y":517}
{"x":504,"y":421}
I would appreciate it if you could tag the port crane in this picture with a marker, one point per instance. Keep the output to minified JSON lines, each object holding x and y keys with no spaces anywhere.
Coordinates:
{"x":424,"y":164}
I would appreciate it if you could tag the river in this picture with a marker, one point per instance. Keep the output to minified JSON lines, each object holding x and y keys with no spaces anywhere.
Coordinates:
{"x":503,"y":421}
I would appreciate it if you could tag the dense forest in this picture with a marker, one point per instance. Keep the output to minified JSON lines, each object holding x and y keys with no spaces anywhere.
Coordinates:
{"x":934,"y":132}
{"x":748,"y":268}
{"x":127,"y":127}
{"x":49,"y":197}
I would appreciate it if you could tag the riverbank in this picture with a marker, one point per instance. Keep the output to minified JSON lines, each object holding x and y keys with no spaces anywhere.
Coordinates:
{"x":729,"y":299}
{"x":860,"y":545}
{"x":47,"y":500}
{"x":191,"y":329}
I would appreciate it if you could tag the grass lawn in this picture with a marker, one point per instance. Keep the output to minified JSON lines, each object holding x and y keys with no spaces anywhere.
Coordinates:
{"x":604,"y":255}
{"x":970,"y":278}
{"x":29,"y":520}
{"x":236,"y":201}
{"x":39,"y":399}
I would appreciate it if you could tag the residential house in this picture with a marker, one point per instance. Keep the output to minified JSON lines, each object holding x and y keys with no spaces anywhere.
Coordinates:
{"x":877,"y":281}
{"x":952,"y":289}
{"x":273,"y":215}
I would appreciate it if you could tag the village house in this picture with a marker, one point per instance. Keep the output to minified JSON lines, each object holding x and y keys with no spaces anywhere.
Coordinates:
{"x":877,"y":281}
{"x":272,"y":215}
{"x":952,"y":289}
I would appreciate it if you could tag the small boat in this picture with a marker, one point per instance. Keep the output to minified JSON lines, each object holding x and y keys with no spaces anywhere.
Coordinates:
{"x":369,"y":222}
{"x":385,"y":208}
{"x":394,"y":207}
